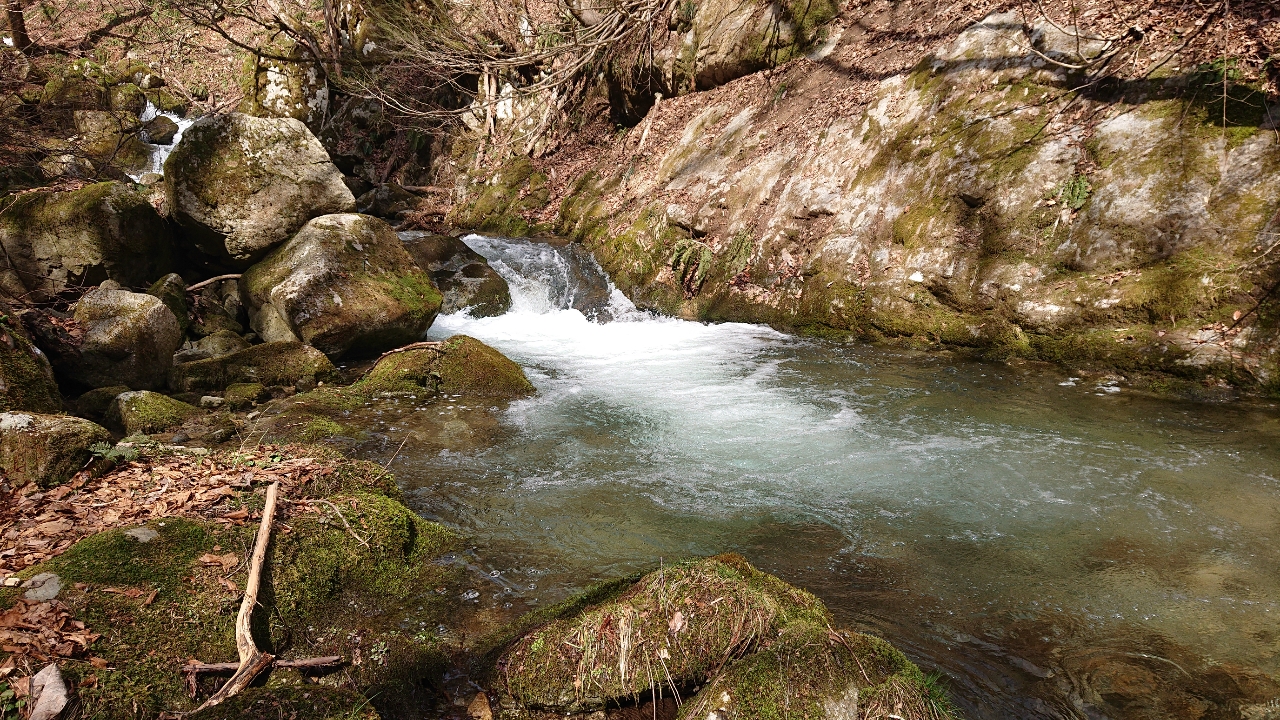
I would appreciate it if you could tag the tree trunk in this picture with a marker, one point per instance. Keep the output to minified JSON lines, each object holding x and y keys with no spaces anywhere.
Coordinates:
{"x":17,"y":24}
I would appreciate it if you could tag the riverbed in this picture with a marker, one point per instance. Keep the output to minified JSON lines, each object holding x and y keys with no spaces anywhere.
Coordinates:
{"x":1054,"y":545}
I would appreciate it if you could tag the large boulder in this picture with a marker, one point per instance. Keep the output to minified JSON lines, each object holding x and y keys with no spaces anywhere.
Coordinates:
{"x":129,"y":338}
{"x":460,"y":365}
{"x":273,"y":363}
{"x":110,"y":137}
{"x":53,"y":240}
{"x":26,"y":377}
{"x":241,"y":185}
{"x":463,"y":276}
{"x":45,"y":449}
{"x":343,"y":284}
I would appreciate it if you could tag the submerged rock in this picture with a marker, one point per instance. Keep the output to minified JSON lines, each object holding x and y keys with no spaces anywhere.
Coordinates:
{"x":241,"y":185}
{"x":26,"y":377}
{"x":343,"y":284}
{"x":273,"y":363}
{"x":45,"y":449}
{"x":464,"y":277}
{"x":56,"y":240}
{"x":129,"y":339}
{"x":145,"y":412}
{"x":757,"y":645}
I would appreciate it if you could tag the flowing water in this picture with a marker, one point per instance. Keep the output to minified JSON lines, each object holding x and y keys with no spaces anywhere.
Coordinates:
{"x":1055,"y":547}
{"x":159,"y":153}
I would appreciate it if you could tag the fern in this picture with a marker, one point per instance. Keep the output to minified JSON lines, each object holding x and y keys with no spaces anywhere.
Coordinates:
{"x":1074,"y":192}
{"x":113,"y":453}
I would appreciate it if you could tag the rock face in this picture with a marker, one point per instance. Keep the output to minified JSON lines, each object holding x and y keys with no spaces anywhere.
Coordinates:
{"x":273,"y":363}
{"x":53,"y":240}
{"x":145,"y":412}
{"x":26,"y":377}
{"x":129,"y":338}
{"x":463,"y":276}
{"x":45,"y":449}
{"x":343,"y":284}
{"x":241,"y":185}
{"x":952,"y":204}
{"x":289,"y":84}
{"x":718,"y":623}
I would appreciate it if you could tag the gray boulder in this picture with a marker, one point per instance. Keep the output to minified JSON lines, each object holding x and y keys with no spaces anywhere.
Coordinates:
{"x":241,"y":185}
{"x":129,"y":339}
{"x":270,"y":364}
{"x":53,"y":240}
{"x":45,"y":449}
{"x":463,"y":275}
{"x":344,"y":283}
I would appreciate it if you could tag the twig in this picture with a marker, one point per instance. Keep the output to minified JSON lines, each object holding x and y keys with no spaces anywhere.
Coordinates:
{"x":314,"y":663}
{"x":212,"y":280}
{"x":343,"y":519}
{"x":431,"y":344}
{"x":252,"y":660}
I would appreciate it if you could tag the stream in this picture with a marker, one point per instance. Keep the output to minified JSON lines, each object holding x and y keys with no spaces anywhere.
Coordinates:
{"x":1055,"y":547}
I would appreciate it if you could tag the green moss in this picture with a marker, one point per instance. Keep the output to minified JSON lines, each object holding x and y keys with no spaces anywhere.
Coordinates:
{"x":314,"y":702}
{"x":240,"y":396}
{"x":26,"y":378}
{"x":469,"y":367}
{"x":501,"y":203}
{"x":321,"y":429}
{"x":721,"y":606}
{"x":148,"y":412}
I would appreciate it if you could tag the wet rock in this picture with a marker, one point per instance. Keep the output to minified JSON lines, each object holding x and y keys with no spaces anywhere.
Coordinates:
{"x":219,"y":344}
{"x":273,"y":363}
{"x":160,"y":130}
{"x":129,"y":338}
{"x":45,"y":449}
{"x":26,"y":377}
{"x":145,"y":412}
{"x":463,"y":276}
{"x":343,"y":284}
{"x":387,"y":201}
{"x":241,"y":185}
{"x":755,"y":644}
{"x":172,"y":291}
{"x":56,"y":240}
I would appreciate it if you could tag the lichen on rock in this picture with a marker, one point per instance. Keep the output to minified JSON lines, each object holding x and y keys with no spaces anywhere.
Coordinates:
{"x":129,"y":339}
{"x":241,"y":185}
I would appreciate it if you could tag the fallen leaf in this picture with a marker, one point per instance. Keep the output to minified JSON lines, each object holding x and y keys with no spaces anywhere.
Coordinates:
{"x":98,"y":662}
{"x":677,"y":622}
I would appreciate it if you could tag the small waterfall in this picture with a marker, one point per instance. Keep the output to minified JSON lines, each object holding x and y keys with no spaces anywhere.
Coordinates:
{"x":160,"y":153}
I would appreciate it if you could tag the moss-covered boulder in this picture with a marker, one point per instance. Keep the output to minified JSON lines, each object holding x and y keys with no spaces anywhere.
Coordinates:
{"x":144,"y":412}
{"x":56,"y":240}
{"x":275,"y":363}
{"x":172,"y":291}
{"x":239,"y":396}
{"x":329,"y":590}
{"x":110,"y":138}
{"x":343,"y":284}
{"x":26,"y":377}
{"x":129,"y":338}
{"x":285,"y":81}
{"x":95,"y":403}
{"x":217,"y":308}
{"x":241,"y":185}
{"x":717,"y":620}
{"x":45,"y":449}
{"x":464,"y":277}
{"x":460,"y":365}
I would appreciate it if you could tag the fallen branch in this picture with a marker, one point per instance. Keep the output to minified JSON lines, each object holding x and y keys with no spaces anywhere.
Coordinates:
{"x":212,"y":280}
{"x":343,"y":518}
{"x":252,"y":660}
{"x":192,"y":670}
{"x":425,"y":344}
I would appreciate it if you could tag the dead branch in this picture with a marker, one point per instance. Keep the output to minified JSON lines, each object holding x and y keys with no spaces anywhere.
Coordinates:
{"x":212,"y":280}
{"x":193,"y":670}
{"x":252,"y":660}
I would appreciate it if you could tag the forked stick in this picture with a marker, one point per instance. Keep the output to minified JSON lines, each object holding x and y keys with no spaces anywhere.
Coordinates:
{"x":252,"y":660}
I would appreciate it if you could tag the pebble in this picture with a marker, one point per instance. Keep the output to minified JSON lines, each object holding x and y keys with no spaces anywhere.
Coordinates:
{"x":142,"y":534}
{"x":43,"y":587}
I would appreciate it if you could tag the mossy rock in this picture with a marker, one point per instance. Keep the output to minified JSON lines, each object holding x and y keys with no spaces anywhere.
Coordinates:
{"x":127,"y":98}
{"x":271,"y":364}
{"x":285,"y":80}
{"x":26,"y":377}
{"x":499,"y":205}
{"x":110,"y":138}
{"x":688,"y":619}
{"x":324,"y":592}
{"x":147,"y":412}
{"x":240,"y":396}
{"x":464,"y":277}
{"x":469,"y":367}
{"x":46,"y":449}
{"x":815,"y":673}
{"x":129,"y":338}
{"x":344,"y":284}
{"x":172,"y":291}
{"x":79,"y":238}
{"x":166,"y":101}
{"x":95,"y":403}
